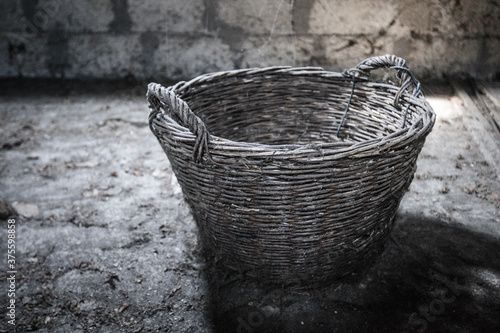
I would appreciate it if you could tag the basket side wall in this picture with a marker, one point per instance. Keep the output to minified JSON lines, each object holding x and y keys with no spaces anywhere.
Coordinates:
{"x":317,"y":225}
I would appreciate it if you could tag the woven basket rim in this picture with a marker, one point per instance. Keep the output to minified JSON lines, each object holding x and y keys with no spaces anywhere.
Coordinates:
{"x":421,"y":125}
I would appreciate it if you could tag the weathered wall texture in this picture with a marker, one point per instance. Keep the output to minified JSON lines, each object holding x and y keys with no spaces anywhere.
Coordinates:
{"x":184,"y":38}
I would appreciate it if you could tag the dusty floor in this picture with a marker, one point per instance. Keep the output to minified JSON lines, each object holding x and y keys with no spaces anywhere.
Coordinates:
{"x":105,"y":242}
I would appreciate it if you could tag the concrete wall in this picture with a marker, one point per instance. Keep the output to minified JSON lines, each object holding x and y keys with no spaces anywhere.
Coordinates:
{"x":183,"y":38}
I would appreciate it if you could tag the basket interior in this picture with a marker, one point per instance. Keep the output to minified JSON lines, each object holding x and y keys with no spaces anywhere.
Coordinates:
{"x":286,"y":109}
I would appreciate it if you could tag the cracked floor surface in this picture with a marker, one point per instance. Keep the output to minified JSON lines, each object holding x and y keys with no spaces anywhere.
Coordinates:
{"x":107,"y":244}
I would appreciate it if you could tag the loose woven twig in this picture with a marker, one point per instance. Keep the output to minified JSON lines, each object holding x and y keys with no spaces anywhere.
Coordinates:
{"x":283,"y":182}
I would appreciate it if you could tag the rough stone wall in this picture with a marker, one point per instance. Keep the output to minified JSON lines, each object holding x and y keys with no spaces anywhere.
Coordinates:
{"x":180,"y":39}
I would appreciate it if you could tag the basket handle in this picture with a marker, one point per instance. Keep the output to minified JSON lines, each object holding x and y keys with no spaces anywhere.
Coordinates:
{"x":392,"y":62}
{"x":386,"y":61}
{"x":159,"y":98}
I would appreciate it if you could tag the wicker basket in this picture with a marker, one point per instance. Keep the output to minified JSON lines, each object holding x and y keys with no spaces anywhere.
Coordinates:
{"x":293,"y":174}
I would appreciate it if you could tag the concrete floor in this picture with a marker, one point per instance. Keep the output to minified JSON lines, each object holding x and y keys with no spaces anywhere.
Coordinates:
{"x":105,"y":242}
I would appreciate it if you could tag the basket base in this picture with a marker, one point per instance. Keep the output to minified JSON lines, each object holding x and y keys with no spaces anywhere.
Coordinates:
{"x":221,"y":264}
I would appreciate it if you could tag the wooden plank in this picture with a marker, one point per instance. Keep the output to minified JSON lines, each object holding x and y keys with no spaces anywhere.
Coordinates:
{"x":491,"y":92}
{"x":479,"y":124}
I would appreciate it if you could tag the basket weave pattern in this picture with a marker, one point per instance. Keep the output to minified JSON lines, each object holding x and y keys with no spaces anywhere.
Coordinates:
{"x":276,"y":192}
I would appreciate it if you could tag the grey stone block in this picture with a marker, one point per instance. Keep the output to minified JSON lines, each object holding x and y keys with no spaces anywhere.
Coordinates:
{"x":25,"y":56}
{"x":167,"y":16}
{"x":33,"y":17}
{"x":446,"y":56}
{"x":258,"y":17}
{"x":330,"y":52}
{"x":106,"y":56}
{"x":277,"y":51}
{"x":474,"y":18}
{"x":345,"y":52}
{"x":11,"y":14}
{"x":351,"y":17}
{"x":6,"y":68}
{"x":179,"y":57}
{"x":83,"y":16}
{"x":429,"y":18}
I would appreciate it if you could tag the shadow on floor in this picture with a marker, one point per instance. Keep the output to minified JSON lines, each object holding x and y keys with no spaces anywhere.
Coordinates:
{"x":432,"y":277}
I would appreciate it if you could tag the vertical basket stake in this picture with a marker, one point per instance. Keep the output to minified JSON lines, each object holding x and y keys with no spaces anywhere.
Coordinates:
{"x":347,"y":106}
{"x":350,"y":73}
